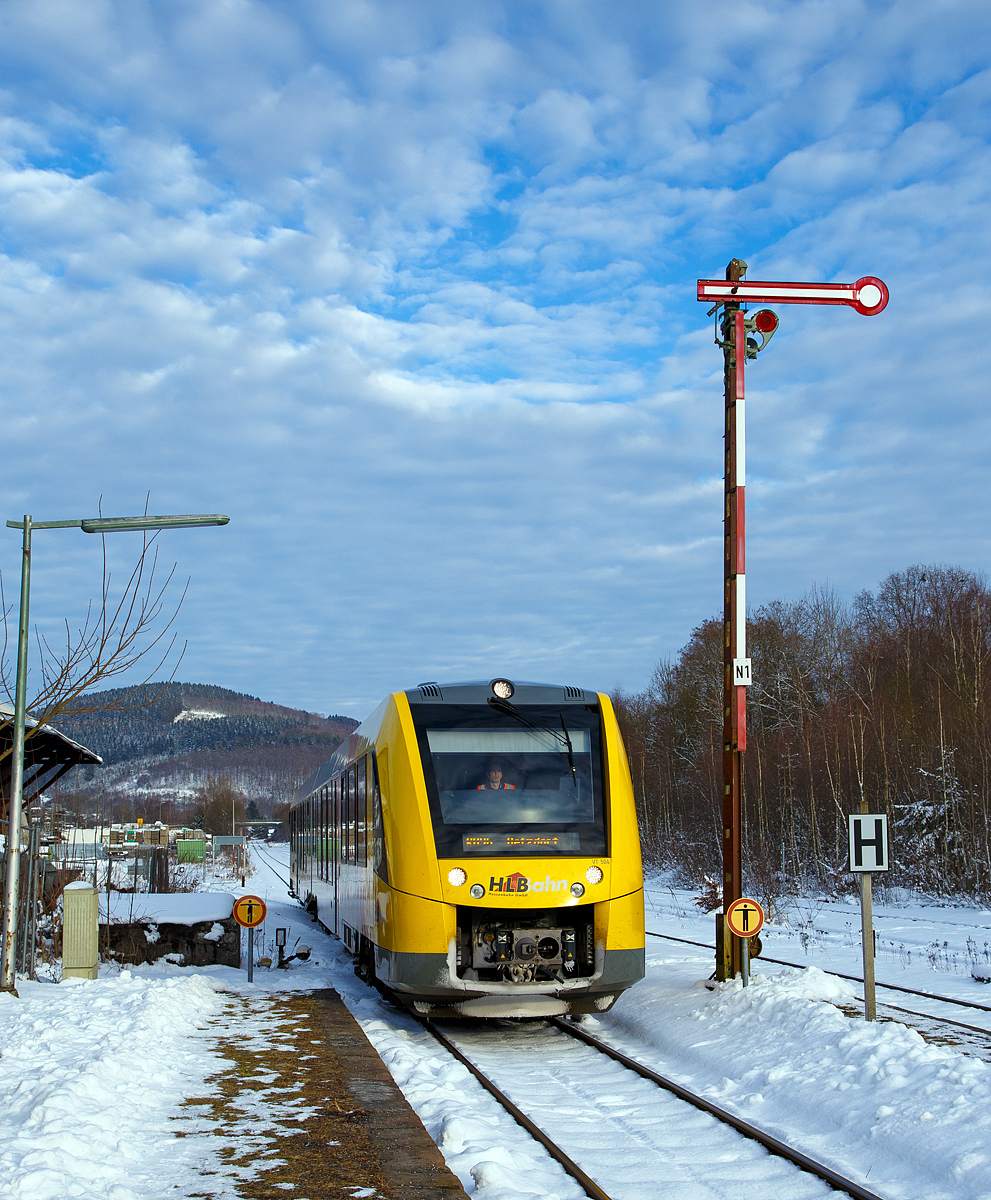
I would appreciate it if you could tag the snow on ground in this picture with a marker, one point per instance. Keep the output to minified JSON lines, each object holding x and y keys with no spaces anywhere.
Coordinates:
{"x":920,"y":944}
{"x":874,"y":1101}
{"x":92,"y":1075}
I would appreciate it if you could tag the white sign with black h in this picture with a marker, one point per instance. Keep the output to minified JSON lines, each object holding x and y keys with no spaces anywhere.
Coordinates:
{"x":868,"y":842}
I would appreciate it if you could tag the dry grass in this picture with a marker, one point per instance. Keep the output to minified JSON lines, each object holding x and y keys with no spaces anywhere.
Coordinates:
{"x":284,"y":1109}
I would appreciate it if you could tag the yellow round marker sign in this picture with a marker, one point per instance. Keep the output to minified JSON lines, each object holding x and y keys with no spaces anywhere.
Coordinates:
{"x":249,"y":911}
{"x":745,"y":917}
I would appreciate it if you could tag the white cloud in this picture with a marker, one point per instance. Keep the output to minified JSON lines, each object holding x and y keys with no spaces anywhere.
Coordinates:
{"x":409,"y":291}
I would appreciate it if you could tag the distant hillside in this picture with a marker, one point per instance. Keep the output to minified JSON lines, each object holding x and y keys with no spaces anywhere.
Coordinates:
{"x":164,"y":740}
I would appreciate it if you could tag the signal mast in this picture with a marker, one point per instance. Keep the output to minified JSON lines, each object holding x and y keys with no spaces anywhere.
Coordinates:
{"x":735,"y":336}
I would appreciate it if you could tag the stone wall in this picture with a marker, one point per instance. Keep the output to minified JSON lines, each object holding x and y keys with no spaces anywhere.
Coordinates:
{"x":186,"y":945}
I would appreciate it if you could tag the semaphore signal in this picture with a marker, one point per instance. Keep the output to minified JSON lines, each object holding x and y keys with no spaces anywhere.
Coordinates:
{"x":868,"y":296}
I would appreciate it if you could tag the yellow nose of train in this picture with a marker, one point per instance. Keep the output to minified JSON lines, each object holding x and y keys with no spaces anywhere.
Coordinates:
{"x":475,"y":847}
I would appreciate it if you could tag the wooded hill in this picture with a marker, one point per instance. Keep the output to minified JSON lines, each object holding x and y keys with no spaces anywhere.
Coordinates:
{"x":886,"y":700}
{"x":162,"y":742}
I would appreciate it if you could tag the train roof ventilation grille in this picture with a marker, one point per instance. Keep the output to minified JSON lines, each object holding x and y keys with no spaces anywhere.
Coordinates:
{"x":430,"y":691}
{"x":573,"y":693}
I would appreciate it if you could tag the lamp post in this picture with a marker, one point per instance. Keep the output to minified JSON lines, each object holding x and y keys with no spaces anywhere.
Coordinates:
{"x":8,"y":937}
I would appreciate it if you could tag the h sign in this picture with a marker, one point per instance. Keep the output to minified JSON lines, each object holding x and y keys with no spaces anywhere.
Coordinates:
{"x":868,"y":842}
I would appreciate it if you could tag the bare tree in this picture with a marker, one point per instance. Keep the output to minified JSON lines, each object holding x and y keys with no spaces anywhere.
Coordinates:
{"x":125,"y":627}
{"x":888,"y":700}
{"x":221,"y":805}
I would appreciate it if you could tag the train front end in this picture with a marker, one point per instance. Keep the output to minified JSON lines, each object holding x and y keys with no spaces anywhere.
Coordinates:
{"x":515,"y":868}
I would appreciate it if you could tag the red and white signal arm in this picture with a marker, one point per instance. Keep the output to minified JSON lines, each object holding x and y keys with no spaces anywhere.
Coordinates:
{"x":249,"y":911}
{"x":868,"y":295}
{"x":745,"y":917}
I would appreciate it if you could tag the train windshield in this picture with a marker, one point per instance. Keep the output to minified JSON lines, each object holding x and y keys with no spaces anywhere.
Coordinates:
{"x":499,"y":786}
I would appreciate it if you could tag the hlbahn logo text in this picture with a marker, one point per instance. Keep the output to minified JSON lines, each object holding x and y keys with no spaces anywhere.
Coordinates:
{"x":517,"y":884}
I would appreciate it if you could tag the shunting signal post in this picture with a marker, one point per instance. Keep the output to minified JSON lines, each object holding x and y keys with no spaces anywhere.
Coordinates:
{"x":736,"y":335}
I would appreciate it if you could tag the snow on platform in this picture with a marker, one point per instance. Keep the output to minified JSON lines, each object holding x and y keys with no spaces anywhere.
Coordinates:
{"x":172,"y":908}
{"x":91,"y":1074}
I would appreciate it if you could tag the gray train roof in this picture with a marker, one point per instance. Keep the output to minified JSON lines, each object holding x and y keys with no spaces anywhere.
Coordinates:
{"x":477,"y":691}
{"x":473,"y":691}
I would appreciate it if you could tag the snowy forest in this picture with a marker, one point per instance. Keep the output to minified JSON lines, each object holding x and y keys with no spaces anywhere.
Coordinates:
{"x":885,"y":699}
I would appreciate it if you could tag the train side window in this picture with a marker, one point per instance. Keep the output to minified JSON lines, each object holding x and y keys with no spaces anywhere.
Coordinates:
{"x":304,"y":841}
{"x":352,"y":807}
{"x":329,"y":832}
{"x":338,"y":839}
{"x":361,"y":856}
{"x":317,"y":847}
{"x":328,"y":819}
{"x":379,"y":861}
{"x":324,"y":834}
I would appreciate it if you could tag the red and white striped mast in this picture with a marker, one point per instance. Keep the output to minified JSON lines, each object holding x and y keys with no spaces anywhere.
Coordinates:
{"x":868,"y":296}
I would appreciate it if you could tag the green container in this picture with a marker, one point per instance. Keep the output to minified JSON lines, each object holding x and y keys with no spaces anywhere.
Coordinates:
{"x":190,"y":849}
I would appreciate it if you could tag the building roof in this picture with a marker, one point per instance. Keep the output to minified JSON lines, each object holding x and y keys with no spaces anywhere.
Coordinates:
{"x":48,"y":754}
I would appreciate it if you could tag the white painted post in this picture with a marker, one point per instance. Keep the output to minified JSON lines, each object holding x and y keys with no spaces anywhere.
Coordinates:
{"x":80,"y":931}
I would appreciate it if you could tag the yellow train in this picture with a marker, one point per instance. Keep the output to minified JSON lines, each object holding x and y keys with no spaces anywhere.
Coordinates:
{"x":475,"y":847}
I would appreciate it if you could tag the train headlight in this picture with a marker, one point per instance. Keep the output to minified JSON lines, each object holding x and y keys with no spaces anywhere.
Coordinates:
{"x":503,"y":689}
{"x":457,"y":876}
{"x":578,"y":889}
{"x":593,"y":875}
{"x":477,"y":891}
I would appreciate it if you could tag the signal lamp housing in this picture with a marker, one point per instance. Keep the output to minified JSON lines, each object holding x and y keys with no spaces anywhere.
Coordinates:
{"x":766,"y":321}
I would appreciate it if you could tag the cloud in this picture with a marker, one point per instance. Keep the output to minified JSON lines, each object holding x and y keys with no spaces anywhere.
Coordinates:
{"x":408,"y":290}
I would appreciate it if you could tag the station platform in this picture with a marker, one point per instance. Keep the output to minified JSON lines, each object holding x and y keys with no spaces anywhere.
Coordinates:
{"x":341,"y":1126}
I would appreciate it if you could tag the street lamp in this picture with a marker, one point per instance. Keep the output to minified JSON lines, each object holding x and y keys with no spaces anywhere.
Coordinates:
{"x":88,"y":525}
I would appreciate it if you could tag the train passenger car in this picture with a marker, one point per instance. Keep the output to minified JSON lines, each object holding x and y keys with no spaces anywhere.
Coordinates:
{"x":475,"y":847}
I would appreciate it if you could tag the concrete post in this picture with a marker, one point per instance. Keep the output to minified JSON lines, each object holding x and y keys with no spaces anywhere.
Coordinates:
{"x":80,"y":931}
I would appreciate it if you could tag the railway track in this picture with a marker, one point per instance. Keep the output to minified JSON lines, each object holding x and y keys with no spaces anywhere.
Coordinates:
{"x":568,"y":1083}
{"x":590,"y":1092}
{"x":270,"y":862}
{"x":846,"y":910}
{"x":984,"y":1032}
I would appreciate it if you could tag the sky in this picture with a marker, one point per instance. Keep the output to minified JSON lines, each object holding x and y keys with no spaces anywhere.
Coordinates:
{"x":408,"y":290}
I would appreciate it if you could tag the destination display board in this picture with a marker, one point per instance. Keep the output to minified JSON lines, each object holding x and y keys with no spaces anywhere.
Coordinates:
{"x":499,"y":843}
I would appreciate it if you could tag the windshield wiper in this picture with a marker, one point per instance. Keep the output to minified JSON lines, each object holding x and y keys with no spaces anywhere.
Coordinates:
{"x":571,"y":751}
{"x":563,"y":739}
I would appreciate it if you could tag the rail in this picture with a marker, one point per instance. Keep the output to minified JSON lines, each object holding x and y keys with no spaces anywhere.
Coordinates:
{"x":593,"y":1189}
{"x":802,"y":966}
{"x":892,"y":987}
{"x":268,"y":862}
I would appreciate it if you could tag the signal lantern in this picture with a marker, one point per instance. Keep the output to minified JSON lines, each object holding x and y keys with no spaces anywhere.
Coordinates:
{"x":766,"y":321}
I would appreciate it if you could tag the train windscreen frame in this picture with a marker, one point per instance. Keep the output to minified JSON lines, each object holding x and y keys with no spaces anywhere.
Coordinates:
{"x":546,"y":765}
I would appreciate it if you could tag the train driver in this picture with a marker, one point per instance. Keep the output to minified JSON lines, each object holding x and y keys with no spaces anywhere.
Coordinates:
{"x":493,"y":780}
